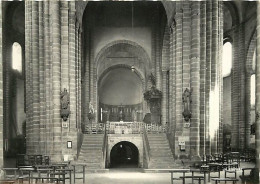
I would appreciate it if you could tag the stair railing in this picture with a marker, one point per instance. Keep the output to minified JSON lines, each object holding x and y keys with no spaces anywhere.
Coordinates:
{"x":104,"y":147}
{"x":146,"y":145}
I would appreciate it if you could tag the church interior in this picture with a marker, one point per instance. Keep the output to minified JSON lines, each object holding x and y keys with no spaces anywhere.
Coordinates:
{"x":154,"y":85}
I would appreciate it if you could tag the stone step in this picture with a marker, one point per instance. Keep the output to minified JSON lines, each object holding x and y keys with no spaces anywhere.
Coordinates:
{"x":161,"y":155}
{"x":92,"y":145}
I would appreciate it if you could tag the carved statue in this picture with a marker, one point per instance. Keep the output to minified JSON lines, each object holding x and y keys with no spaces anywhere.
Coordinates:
{"x":65,"y":100}
{"x":134,"y":115}
{"x":121,"y":115}
{"x":186,"y":99}
{"x":91,"y":111}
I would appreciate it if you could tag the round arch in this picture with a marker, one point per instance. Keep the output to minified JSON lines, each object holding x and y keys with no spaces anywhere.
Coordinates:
{"x":81,"y":7}
{"x":250,"y":53}
{"x":140,"y":52}
{"x":124,"y":154}
{"x":136,"y":71}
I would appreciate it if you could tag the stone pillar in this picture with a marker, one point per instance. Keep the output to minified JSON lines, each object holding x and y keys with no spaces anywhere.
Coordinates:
{"x":86,"y":77}
{"x":242,"y":65}
{"x":80,"y":77}
{"x":1,"y":92}
{"x":202,"y":76}
{"x":208,"y":73}
{"x":56,"y":78}
{"x":28,"y":75}
{"x":35,"y":77}
{"x":47,"y":74}
{"x":158,"y":63}
{"x":76,"y":71}
{"x":165,"y":75}
{"x":164,"y":97}
{"x":42,"y":99}
{"x":64,"y":46}
{"x":195,"y":80}
{"x":220,"y":141}
{"x":72,"y":65}
{"x":238,"y":89}
{"x":214,"y":98}
{"x":172,"y":82}
{"x":248,"y":107}
{"x":257,"y":105}
{"x":179,"y":47}
{"x":64,"y":13}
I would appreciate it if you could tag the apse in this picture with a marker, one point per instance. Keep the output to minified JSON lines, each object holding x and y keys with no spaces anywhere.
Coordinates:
{"x":120,"y":86}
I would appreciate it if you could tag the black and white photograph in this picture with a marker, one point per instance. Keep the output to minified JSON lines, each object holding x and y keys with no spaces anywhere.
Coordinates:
{"x":129,"y":92}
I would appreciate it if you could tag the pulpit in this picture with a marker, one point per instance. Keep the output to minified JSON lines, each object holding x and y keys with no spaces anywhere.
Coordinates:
{"x":153,"y":97}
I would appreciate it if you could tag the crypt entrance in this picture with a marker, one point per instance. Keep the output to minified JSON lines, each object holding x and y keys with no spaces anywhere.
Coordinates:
{"x":124,"y":154}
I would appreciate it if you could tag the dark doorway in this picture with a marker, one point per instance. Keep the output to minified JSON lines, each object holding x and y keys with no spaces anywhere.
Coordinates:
{"x":124,"y":155}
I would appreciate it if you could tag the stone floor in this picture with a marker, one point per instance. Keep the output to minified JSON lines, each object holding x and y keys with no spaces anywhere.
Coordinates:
{"x":137,"y":176}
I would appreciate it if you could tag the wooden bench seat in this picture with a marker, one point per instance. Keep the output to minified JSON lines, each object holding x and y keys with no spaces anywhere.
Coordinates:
{"x":7,"y":181}
{"x":199,"y":178}
{"x":217,"y":180}
{"x":42,"y":178}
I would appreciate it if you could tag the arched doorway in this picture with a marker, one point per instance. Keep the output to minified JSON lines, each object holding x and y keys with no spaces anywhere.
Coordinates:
{"x":124,"y":155}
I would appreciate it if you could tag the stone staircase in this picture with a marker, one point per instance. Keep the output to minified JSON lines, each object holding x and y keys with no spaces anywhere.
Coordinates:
{"x":160,"y":152}
{"x":91,"y":151}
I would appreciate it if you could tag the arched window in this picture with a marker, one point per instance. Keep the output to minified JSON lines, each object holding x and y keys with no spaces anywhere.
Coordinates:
{"x":227,"y":59}
{"x":17,"y":57}
{"x":252,"y":90}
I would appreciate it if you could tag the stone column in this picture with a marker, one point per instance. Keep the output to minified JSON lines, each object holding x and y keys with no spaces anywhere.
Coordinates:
{"x":56,"y":78}
{"x":41,"y":81}
{"x":172,"y":81}
{"x":1,"y":92}
{"x":195,"y":80}
{"x":164,"y":97}
{"x":72,"y":65}
{"x":248,"y":106}
{"x":202,"y":76}
{"x":47,"y":74}
{"x":28,"y":71}
{"x":179,"y":47}
{"x":242,"y":65}
{"x":257,"y":105}
{"x":77,"y":71}
{"x":214,"y":98}
{"x":86,"y":77}
{"x":208,"y":72}
{"x":35,"y":77}
{"x":220,"y":141}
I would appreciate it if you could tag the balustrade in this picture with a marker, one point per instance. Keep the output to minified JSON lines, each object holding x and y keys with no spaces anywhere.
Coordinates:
{"x":125,"y":128}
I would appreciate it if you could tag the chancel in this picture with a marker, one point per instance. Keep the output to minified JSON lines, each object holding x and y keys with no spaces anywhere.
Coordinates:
{"x":151,"y":85}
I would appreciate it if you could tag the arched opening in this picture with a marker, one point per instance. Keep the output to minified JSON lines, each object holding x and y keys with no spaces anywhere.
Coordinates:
{"x":124,"y":155}
{"x":120,"y":89}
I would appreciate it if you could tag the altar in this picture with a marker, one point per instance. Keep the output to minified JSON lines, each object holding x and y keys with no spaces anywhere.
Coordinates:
{"x":123,"y":127}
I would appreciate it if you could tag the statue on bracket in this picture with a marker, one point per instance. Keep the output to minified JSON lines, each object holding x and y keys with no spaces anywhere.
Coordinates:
{"x":91,"y":112}
{"x":65,"y":108}
{"x":186,"y":99}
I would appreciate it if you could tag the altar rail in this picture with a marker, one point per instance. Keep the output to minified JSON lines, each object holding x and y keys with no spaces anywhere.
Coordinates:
{"x":124,"y":128}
